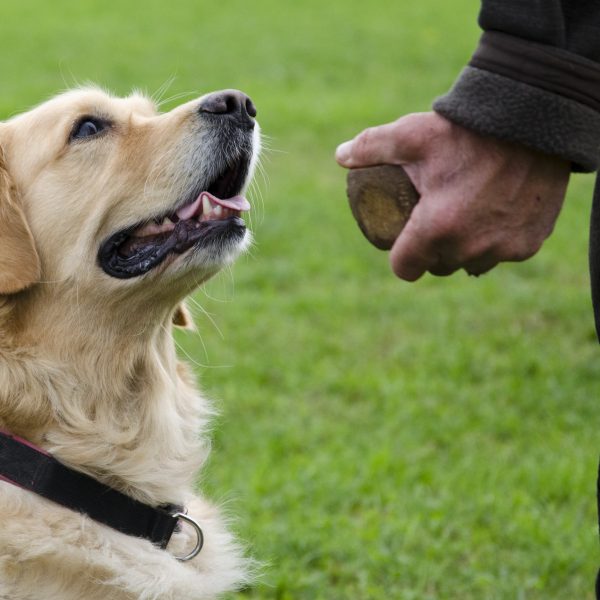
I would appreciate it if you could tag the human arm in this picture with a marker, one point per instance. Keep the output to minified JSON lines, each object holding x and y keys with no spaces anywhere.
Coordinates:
{"x":501,"y":145}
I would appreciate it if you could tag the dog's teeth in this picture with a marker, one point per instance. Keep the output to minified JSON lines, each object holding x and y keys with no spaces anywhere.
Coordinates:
{"x":206,"y":205}
{"x":218,"y":210}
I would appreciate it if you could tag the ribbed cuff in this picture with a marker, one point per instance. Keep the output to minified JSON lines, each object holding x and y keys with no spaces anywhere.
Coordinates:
{"x":552,"y":69}
{"x":507,"y":109}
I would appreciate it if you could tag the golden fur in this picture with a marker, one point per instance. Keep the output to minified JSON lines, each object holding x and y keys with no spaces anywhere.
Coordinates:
{"x":88,"y":369}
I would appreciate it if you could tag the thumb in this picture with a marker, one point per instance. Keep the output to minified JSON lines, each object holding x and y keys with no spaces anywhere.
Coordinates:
{"x":393,"y":143}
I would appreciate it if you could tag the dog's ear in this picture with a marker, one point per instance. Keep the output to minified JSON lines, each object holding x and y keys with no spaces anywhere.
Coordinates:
{"x":19,"y":261}
{"x":183,"y":318}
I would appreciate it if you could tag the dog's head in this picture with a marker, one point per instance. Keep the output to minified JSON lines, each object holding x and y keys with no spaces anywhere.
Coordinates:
{"x":107,"y":194}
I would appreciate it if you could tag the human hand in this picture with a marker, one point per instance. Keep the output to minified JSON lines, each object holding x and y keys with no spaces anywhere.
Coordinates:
{"x":483,"y":201}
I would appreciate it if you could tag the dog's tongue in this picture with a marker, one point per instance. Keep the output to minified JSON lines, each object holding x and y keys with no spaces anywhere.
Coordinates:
{"x":236,"y":203}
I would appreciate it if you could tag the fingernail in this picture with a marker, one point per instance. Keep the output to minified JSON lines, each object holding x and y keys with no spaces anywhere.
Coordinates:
{"x":343,"y":152}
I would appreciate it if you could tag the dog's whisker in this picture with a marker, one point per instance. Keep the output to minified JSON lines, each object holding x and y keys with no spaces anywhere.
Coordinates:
{"x":256,"y":189}
{"x":225,"y":288}
{"x":198,"y":364}
{"x":174,"y":97}
{"x":75,"y":82}
{"x":212,"y":298}
{"x":210,"y":318}
{"x":162,"y":90}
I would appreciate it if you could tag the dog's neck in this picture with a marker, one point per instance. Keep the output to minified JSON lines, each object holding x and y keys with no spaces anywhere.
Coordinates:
{"x":100,"y":395}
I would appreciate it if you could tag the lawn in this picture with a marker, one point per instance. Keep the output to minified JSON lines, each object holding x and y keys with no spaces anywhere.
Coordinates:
{"x":377,"y":439}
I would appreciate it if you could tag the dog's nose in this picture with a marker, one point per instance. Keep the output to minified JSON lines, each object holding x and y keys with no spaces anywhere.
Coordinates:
{"x":231,"y":103}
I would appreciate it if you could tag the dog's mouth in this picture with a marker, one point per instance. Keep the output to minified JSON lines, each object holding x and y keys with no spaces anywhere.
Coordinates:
{"x":210,"y":218}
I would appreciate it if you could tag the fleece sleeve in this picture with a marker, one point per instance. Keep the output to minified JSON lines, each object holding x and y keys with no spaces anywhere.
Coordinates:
{"x":534,"y":78}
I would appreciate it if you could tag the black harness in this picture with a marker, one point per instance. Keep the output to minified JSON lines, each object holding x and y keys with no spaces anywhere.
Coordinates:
{"x":31,"y":468}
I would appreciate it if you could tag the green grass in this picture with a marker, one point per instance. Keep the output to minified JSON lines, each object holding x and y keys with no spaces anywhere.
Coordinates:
{"x":377,"y":439}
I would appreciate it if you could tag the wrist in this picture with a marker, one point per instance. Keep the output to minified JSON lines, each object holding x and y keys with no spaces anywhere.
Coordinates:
{"x":506,"y":109}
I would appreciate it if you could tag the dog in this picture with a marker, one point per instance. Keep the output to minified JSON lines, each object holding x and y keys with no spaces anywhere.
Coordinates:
{"x":111,"y":213}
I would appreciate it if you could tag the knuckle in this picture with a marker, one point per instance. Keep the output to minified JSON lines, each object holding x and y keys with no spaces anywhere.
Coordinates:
{"x":528,"y":250}
{"x":363,"y":139}
{"x":476,"y":249}
{"x":407,"y":132}
{"x":405,"y":270}
{"x":444,"y":231}
{"x":519,"y":254}
{"x":518,"y":250}
{"x":442,"y":270}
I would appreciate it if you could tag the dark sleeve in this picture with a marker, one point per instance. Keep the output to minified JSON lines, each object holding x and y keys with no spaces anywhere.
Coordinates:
{"x":534,"y":78}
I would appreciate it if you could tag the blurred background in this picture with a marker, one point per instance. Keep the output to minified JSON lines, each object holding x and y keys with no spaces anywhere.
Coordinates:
{"x":376,"y":439}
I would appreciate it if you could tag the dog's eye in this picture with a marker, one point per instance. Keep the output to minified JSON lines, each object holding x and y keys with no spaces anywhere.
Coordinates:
{"x":87,"y":127}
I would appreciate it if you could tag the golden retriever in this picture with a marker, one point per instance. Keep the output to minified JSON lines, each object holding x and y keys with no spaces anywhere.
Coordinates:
{"x":110,"y":214}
